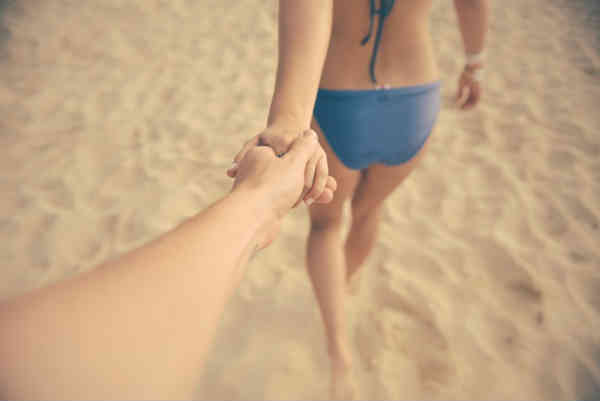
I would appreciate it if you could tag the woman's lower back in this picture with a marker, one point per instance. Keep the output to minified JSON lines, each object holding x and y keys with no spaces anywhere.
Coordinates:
{"x":405,"y":54}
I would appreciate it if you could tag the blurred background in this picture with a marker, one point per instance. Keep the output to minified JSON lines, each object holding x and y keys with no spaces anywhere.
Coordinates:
{"x":119,"y":118}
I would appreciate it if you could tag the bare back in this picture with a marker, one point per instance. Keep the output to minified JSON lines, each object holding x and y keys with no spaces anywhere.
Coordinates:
{"x":405,"y":53}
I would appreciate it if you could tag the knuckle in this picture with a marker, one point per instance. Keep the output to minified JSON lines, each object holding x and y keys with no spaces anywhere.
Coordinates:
{"x":276,"y":142}
{"x":311,"y":134}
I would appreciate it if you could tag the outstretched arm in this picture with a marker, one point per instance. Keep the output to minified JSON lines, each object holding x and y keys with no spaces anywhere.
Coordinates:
{"x":139,"y":327}
{"x":473,"y":21}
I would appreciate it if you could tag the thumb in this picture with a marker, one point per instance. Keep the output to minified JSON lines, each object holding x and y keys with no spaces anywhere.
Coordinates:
{"x":460,"y":90}
{"x":303,"y":147}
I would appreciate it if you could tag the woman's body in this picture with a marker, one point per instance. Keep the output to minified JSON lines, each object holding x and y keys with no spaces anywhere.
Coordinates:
{"x":405,"y":59}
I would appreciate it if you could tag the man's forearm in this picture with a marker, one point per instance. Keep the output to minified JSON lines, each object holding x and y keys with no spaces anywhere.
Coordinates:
{"x":304,"y":32}
{"x":137,"y":327}
{"x":473,"y":20}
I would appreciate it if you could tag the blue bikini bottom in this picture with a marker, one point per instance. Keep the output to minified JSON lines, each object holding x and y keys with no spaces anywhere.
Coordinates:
{"x":386,"y":126}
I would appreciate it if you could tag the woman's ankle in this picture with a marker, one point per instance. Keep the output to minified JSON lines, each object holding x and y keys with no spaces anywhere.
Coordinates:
{"x":340,"y":357}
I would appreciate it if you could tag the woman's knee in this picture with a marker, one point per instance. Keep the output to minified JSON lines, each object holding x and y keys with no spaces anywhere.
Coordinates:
{"x":363,"y":209}
{"x":325,"y":221}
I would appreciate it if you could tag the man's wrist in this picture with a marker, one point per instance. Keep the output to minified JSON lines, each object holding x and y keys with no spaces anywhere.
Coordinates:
{"x":256,"y":202}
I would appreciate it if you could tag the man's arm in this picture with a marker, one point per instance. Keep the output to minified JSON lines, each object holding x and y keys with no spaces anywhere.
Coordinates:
{"x":139,"y":327}
{"x":473,"y":22}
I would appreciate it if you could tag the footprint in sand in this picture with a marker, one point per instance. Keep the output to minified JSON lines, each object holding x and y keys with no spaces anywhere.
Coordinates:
{"x":510,"y":276}
{"x":561,"y":159}
{"x":496,"y":335}
{"x":132,"y":230}
{"x":56,"y":195}
{"x":408,"y":330}
{"x":549,"y":217}
{"x":39,"y":246}
{"x":584,"y":215}
{"x":585,"y":289}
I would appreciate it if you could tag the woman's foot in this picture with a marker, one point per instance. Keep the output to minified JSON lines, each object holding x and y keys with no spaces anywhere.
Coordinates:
{"x":343,"y":386}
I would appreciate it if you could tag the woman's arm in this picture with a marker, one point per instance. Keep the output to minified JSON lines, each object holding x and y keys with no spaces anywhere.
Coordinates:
{"x":139,"y":327}
{"x":473,"y":21}
{"x":304,"y":33}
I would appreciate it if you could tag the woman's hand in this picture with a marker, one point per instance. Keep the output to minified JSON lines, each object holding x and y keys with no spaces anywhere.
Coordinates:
{"x":280,"y":138}
{"x":469,"y":86}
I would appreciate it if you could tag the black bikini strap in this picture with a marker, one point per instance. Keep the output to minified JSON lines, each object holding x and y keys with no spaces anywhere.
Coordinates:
{"x":385,"y":7}
{"x":371,"y":19}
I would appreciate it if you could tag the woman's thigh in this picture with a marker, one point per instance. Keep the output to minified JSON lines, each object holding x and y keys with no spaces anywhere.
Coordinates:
{"x":347,"y":180}
{"x":379,"y":181}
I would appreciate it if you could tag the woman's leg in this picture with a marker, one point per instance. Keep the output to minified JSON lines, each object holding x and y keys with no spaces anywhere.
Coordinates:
{"x":378,"y":182}
{"x":327,"y":269}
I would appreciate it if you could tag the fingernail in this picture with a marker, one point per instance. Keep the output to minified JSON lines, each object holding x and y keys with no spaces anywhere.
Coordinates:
{"x":309,"y":201}
{"x":309,"y":132}
{"x":233,"y":166}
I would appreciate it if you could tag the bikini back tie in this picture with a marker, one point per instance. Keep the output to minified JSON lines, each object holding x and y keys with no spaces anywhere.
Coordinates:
{"x":385,"y":7}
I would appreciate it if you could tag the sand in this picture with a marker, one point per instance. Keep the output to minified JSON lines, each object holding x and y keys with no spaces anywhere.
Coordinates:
{"x":118,"y":120}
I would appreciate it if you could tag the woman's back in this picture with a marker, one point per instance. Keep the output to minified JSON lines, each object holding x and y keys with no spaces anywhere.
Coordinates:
{"x":404,"y":58}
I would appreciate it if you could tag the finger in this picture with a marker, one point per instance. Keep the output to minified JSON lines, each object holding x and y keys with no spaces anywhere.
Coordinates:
{"x":466,"y":92}
{"x":247,"y":146}
{"x":320,"y":179}
{"x":331,"y":183}
{"x":473,"y":97}
{"x":476,"y":93}
{"x":309,"y":174}
{"x":460,"y":101}
{"x":468,"y":104}
{"x":329,"y":189}
{"x":232,"y":172}
{"x":326,"y":196}
{"x":304,"y":191}
{"x":462,"y":86}
{"x":459,"y":91}
{"x":303,"y":148}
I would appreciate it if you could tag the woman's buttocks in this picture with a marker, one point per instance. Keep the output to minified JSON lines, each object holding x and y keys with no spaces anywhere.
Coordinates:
{"x":405,"y":54}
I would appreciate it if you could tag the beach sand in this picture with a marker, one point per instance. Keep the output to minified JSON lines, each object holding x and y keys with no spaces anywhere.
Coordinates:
{"x":119,"y":119}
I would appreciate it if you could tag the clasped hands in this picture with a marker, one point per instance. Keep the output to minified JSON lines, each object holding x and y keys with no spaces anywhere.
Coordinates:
{"x":283,"y":168}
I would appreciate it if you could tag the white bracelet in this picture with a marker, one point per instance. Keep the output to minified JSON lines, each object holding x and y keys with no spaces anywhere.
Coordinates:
{"x":474,"y":58}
